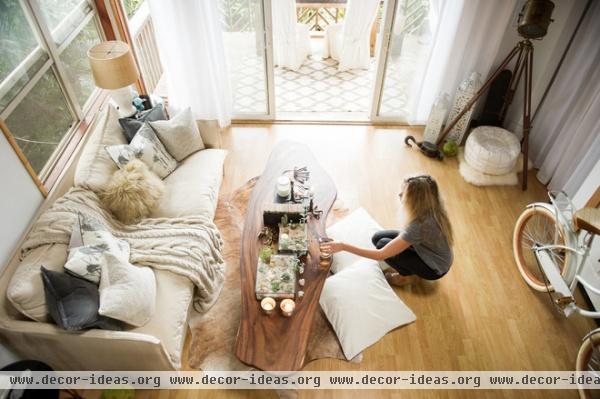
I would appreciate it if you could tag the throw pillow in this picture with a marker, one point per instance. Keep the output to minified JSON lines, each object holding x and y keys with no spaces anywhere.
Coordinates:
{"x":86,"y":261}
{"x":127,"y":292}
{"x":180,"y":134}
{"x":147,"y":147}
{"x":356,"y":229}
{"x":73,"y":302}
{"x":362,"y":307}
{"x":95,"y":167}
{"x":132,"y":124}
{"x":133,"y":192}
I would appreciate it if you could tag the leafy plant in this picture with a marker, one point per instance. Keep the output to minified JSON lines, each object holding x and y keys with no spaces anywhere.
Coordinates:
{"x":265,"y":254}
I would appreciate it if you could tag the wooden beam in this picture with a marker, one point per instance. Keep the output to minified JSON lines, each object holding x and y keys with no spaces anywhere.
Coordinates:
{"x":594,"y":201}
{"x":13,"y":143}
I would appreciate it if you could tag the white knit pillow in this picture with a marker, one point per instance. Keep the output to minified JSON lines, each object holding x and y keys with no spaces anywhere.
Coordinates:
{"x":127,"y":292}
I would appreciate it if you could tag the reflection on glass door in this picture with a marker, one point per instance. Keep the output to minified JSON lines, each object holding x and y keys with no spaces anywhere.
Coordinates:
{"x":247,"y":46}
{"x":407,"y":32}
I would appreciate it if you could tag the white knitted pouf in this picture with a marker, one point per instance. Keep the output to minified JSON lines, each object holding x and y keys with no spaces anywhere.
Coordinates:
{"x":492,"y":150}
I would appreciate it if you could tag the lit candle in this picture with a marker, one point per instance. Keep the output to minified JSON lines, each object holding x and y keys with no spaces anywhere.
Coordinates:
{"x":268,"y":305}
{"x":287,"y":307}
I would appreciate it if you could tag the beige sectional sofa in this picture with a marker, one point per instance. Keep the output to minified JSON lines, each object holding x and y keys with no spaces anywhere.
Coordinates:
{"x":191,"y":189}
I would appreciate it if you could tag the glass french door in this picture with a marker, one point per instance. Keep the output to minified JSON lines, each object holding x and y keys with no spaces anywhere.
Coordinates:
{"x":249,"y":51}
{"x":403,"y":48}
{"x":406,"y":41}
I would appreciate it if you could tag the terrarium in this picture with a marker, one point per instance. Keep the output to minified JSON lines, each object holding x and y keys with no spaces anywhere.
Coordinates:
{"x":277,"y":279}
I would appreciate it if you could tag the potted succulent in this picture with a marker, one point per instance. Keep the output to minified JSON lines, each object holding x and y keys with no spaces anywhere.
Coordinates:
{"x":265,"y":255}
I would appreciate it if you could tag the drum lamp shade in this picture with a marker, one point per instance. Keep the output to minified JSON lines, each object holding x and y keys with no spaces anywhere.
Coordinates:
{"x":113,"y":65}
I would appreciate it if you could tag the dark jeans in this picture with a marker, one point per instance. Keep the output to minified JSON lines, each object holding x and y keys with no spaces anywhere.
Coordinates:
{"x":407,"y":262}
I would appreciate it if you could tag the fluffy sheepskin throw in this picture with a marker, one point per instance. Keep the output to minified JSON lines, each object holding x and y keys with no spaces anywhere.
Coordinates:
{"x":133,"y":192}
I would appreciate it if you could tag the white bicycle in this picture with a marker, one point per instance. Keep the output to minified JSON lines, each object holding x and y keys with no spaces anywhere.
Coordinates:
{"x":551,"y":243}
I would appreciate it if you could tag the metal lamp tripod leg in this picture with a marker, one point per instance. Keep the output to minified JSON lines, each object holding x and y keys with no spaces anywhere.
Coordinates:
{"x":524,"y":65}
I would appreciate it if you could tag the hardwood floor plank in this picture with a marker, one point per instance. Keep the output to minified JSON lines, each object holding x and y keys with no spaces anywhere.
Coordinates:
{"x":481,"y":316}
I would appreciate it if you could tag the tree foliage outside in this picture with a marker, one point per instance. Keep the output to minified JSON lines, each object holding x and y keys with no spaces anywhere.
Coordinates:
{"x":131,"y":6}
{"x":43,"y":117}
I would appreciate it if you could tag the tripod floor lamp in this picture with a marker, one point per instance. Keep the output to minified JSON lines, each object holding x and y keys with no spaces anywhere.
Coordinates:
{"x":533,"y":24}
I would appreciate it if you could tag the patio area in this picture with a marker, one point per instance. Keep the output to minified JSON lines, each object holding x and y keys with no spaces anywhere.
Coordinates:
{"x":319,"y":87}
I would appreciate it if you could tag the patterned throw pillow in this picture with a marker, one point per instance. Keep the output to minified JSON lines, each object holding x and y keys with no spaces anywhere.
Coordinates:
{"x":147,"y":147}
{"x":86,"y":261}
{"x":132,"y":124}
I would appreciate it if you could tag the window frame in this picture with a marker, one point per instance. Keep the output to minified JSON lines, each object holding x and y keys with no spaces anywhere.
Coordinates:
{"x":81,"y":115}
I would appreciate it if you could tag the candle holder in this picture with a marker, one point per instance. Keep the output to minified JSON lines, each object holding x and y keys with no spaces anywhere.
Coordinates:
{"x":268,"y":305}
{"x":287,"y":307}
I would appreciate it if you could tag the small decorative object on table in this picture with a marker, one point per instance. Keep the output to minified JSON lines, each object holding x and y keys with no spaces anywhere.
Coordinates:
{"x":272,"y":213}
{"x":268,"y":305}
{"x":277,"y":279}
{"x":293,"y":236}
{"x":265,"y":254}
{"x":287,"y":307}
{"x":284,"y":186}
{"x":466,"y":90}
{"x":438,"y":114}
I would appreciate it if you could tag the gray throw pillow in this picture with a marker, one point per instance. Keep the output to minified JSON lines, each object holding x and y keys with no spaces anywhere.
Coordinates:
{"x":73,"y":303}
{"x":132,"y":124}
{"x":148,"y":148}
{"x":179,"y":134}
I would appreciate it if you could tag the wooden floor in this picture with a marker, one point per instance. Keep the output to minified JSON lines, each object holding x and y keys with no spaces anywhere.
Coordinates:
{"x":481,"y":316}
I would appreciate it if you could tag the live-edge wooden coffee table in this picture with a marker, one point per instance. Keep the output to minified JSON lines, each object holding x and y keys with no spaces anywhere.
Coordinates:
{"x":275,"y":342}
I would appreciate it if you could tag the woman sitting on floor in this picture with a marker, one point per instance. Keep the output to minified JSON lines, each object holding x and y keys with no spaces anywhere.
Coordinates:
{"x":424,"y":248}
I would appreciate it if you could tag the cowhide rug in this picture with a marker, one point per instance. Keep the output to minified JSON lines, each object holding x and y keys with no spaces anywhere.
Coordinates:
{"x":212,"y":345}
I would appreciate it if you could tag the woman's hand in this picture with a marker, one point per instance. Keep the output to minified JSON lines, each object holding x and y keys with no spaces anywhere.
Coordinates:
{"x":332,"y":246}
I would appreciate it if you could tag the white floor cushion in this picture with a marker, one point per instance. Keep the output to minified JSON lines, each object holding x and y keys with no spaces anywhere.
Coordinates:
{"x":362,"y":307}
{"x":492,"y":150}
{"x":356,"y":229}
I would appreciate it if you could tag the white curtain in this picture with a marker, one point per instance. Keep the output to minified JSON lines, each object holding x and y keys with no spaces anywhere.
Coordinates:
{"x":291,"y":40}
{"x":565,"y":138}
{"x":355,"y":51}
{"x":466,"y":37}
{"x":192,"y":52}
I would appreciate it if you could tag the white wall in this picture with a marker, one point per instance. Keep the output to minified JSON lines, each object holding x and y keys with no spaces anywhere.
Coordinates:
{"x":19,"y":200}
{"x":546,"y":55}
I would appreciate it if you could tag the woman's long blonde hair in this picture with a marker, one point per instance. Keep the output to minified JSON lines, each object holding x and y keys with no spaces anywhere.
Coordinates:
{"x":422,"y":198}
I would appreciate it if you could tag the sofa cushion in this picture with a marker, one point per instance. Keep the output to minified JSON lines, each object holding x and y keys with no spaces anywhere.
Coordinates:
{"x":132,"y":124}
{"x":193,"y":188}
{"x":179,"y":134}
{"x":147,"y":147}
{"x":26,"y":289}
{"x":174,"y":295}
{"x":73,"y":302}
{"x":127,"y":292}
{"x":95,"y":167}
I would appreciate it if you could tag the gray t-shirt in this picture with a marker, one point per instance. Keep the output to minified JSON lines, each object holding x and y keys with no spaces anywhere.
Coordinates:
{"x":430,"y":244}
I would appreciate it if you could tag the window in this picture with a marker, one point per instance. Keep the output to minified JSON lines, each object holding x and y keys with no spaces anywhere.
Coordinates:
{"x":131,"y":6}
{"x":46,"y":86}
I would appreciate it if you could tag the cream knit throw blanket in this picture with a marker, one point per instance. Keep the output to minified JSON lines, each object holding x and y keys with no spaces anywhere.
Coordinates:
{"x":189,"y":246}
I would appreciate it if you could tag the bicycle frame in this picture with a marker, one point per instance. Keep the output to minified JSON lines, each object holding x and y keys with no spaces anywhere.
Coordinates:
{"x":565,"y":287}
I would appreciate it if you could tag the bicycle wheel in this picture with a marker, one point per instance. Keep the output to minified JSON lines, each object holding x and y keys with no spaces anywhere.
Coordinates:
{"x":537,"y":226}
{"x":588,"y":359}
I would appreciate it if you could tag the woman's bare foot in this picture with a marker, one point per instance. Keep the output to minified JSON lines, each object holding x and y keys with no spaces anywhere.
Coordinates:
{"x":398,"y":280}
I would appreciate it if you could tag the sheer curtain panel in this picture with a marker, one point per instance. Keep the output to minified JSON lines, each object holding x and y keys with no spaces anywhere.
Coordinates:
{"x":190,"y":43}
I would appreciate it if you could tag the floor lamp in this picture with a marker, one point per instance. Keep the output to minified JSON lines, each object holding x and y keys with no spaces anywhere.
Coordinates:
{"x":533,"y":24}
